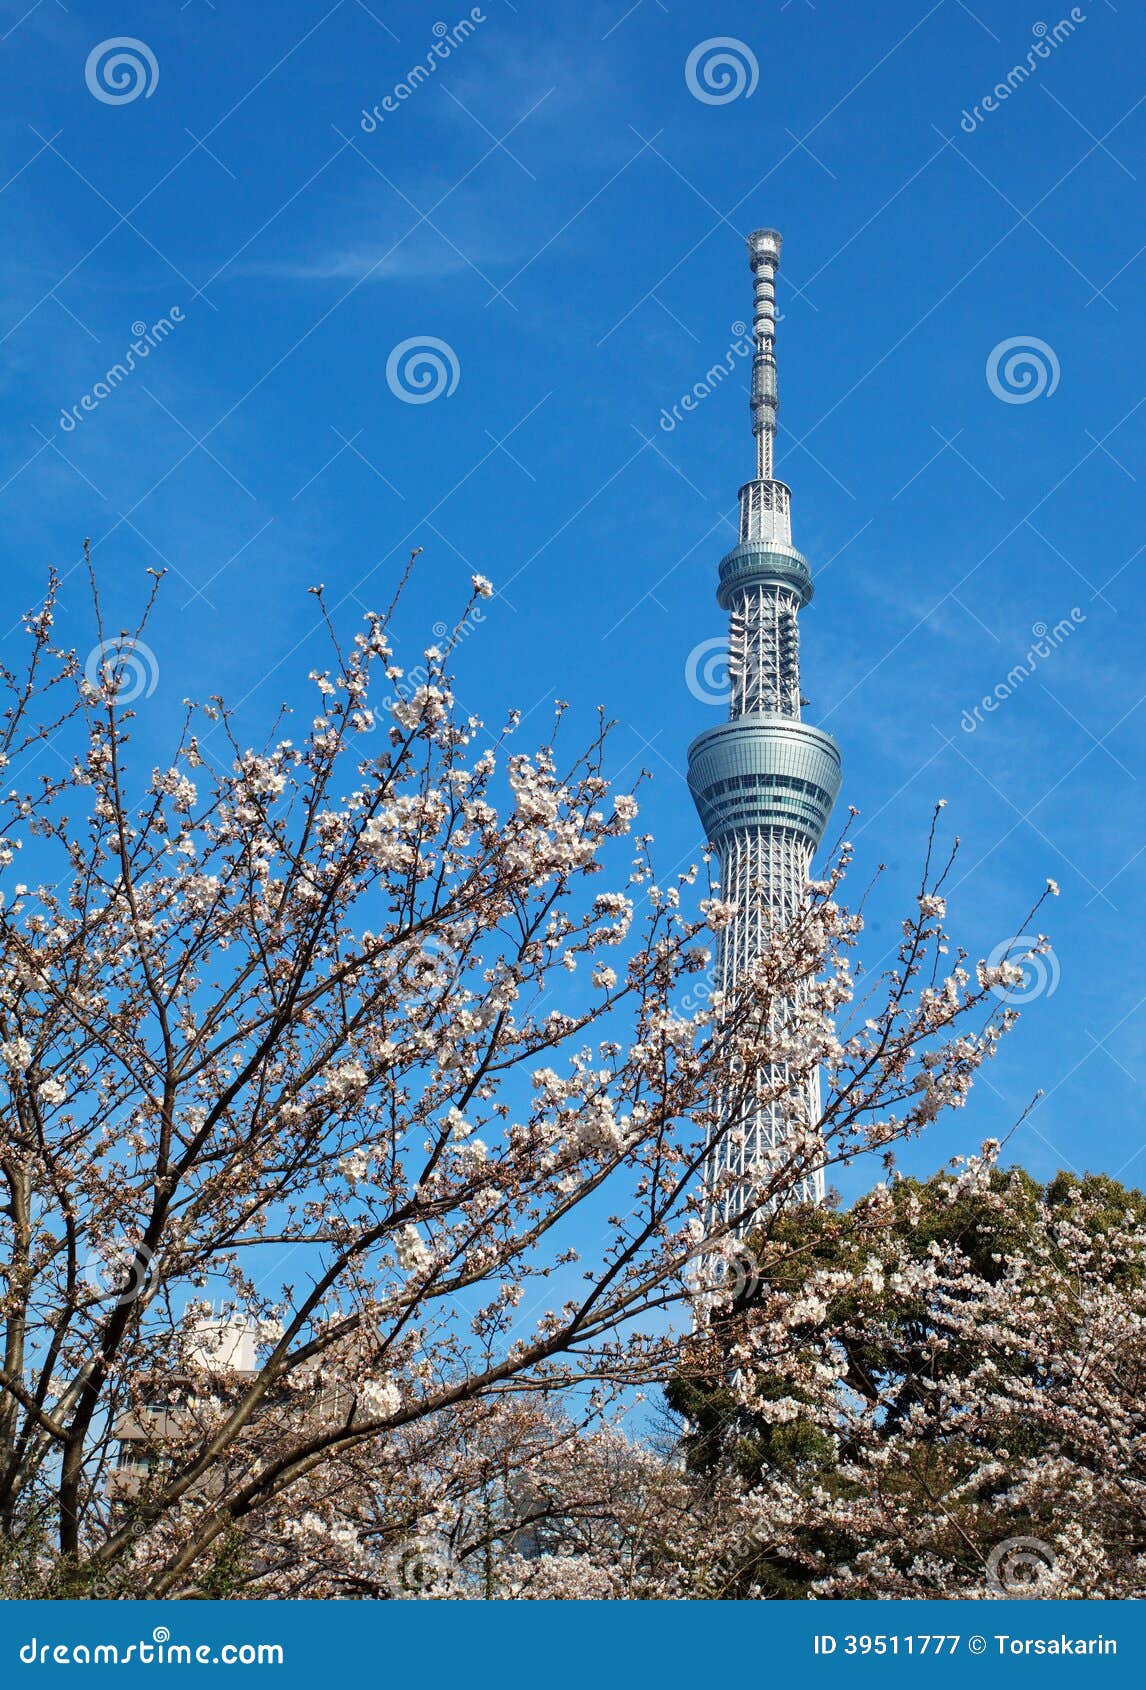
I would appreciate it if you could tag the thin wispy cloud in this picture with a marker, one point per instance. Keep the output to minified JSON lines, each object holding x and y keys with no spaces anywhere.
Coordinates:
{"x":381,"y":262}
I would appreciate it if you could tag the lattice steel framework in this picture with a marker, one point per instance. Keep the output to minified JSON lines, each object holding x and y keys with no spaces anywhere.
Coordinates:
{"x":763,"y":782}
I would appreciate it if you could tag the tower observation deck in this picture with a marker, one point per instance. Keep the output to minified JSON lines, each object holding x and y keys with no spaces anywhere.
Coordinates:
{"x":763,"y":782}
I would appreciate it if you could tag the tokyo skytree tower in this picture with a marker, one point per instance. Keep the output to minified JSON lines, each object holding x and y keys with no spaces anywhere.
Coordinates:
{"x":763,"y":782}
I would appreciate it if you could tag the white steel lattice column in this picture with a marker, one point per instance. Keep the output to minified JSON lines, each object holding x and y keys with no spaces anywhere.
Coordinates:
{"x":764,"y":651}
{"x":765,"y":873}
{"x":764,"y":782}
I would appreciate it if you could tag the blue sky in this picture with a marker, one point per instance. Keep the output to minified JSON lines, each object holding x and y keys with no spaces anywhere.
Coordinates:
{"x":557,"y":206}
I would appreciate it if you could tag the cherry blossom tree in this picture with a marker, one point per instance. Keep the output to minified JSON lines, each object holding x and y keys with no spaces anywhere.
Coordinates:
{"x":938,"y":1393}
{"x":355,"y":1080}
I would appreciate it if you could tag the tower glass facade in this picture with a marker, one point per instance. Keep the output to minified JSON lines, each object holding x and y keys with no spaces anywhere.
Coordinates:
{"x":763,"y":782}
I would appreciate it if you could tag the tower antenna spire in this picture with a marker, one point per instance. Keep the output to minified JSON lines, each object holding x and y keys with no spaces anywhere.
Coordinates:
{"x":764,"y":783}
{"x":764,"y":256}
